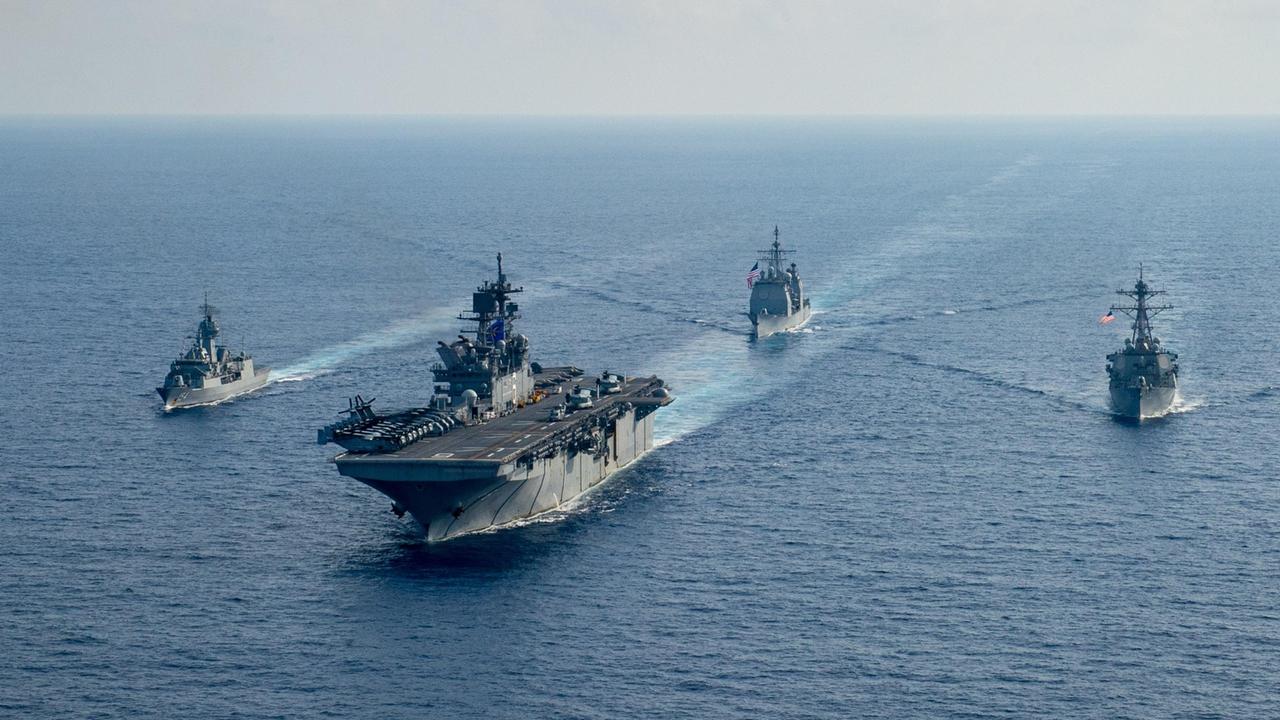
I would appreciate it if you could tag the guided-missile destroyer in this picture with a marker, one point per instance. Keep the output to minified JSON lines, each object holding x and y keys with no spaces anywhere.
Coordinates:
{"x":502,"y":438}
{"x":209,"y":373}
{"x":1144,"y":375}
{"x":777,"y":296}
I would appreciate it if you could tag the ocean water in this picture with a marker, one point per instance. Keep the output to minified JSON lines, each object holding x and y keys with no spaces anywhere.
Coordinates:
{"x":918,"y":506}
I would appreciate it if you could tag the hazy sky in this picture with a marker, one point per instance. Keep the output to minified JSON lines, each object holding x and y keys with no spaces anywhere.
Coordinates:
{"x":690,"y":56}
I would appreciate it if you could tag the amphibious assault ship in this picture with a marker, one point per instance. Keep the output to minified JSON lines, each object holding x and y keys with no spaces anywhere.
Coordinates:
{"x":1144,"y":375}
{"x":777,"y":296}
{"x":502,"y":438}
{"x":209,"y":373}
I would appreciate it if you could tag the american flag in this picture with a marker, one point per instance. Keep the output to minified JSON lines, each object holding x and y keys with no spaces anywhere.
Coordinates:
{"x":1106,"y":319}
{"x":754,"y":275}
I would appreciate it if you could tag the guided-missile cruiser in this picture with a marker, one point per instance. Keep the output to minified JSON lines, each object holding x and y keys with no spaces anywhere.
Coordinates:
{"x":502,"y":438}
{"x":207,"y":372}
{"x":1144,"y":375}
{"x":777,"y":296}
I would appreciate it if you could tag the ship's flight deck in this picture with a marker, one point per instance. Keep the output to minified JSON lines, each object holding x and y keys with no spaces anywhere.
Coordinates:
{"x":506,"y":438}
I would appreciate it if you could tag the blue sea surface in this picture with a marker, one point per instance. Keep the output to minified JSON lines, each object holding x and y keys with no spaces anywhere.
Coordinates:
{"x":918,"y":506}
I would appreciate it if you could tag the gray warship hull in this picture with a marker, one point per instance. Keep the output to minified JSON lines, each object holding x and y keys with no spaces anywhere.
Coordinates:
{"x":503,"y":438}
{"x":512,"y":467}
{"x":765,"y":325}
{"x":1142,"y":402}
{"x":177,"y":397}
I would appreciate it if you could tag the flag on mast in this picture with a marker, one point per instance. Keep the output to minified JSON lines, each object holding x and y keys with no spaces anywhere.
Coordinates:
{"x":754,"y":275}
{"x":1106,"y":319}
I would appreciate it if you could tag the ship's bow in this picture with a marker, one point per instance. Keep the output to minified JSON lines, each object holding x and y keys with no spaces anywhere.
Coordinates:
{"x":1142,"y":402}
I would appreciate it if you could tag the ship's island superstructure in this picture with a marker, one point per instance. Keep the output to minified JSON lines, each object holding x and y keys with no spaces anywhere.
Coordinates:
{"x":1144,"y":375}
{"x":778,"y":301}
{"x":503,"y":438}
{"x":208,"y":373}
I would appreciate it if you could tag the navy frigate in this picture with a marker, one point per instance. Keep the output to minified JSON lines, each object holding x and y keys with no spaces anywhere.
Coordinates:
{"x":208,"y":373}
{"x":502,"y":438}
{"x":1144,"y":375}
{"x":778,"y":301}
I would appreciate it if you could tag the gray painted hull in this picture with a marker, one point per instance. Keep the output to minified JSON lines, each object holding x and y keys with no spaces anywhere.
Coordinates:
{"x":182,"y":397}
{"x":766,"y":325}
{"x":452,"y":498}
{"x":1141,"y":403}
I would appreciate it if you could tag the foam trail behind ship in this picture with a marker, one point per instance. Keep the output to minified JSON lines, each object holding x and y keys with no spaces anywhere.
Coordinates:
{"x":713,"y":375}
{"x":436,"y":324}
{"x":716,"y":373}
{"x":423,"y":327}
{"x":707,"y":383}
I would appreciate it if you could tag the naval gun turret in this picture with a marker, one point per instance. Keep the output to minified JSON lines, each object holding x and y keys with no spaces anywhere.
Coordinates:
{"x":778,"y":301}
{"x":1143,"y":374}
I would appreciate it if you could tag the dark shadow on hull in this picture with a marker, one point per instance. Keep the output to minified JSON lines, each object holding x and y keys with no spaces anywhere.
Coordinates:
{"x":500,"y":551}
{"x":1127,"y":420}
{"x":1139,"y":422}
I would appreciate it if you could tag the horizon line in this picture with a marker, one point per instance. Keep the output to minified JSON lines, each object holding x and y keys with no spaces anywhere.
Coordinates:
{"x":643,"y":115}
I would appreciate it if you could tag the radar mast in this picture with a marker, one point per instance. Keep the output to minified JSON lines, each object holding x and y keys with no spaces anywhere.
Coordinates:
{"x":1141,"y":311}
{"x":775,"y":257}
{"x":491,"y":309}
